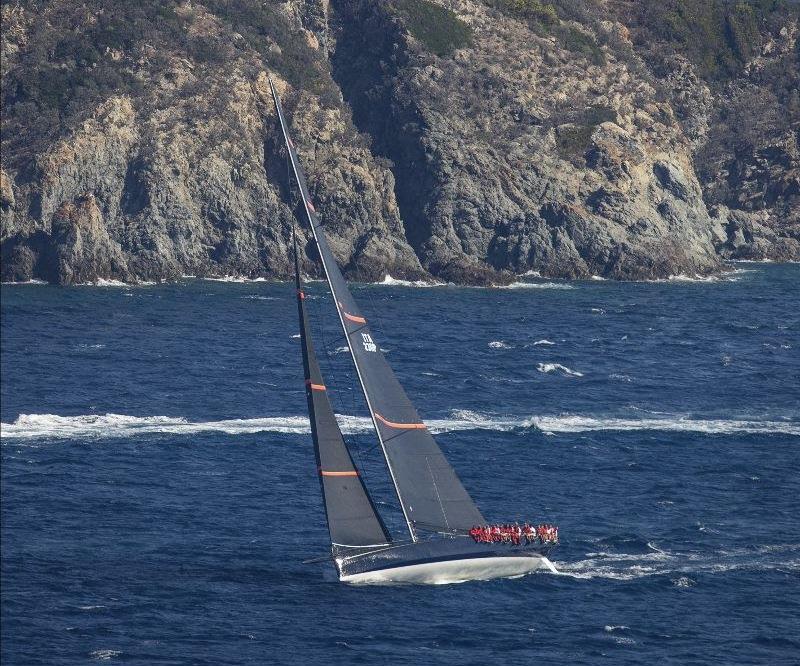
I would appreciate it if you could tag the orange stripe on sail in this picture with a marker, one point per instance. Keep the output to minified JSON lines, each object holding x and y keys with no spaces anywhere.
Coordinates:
{"x":349,"y":317}
{"x":402,"y":426}
{"x":326,"y":473}
{"x":316,"y":387}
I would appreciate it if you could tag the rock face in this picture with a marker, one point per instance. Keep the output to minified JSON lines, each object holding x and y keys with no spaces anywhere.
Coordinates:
{"x":479,"y":149}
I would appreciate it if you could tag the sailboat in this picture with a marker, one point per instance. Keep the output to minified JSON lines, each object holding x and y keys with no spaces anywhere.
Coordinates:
{"x":438,"y":511}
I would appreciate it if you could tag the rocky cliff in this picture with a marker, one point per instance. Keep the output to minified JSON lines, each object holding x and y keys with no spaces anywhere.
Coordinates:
{"x":468,"y":140}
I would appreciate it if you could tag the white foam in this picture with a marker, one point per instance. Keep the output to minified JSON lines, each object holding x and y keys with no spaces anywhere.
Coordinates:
{"x":389,"y":281}
{"x":499,"y":344}
{"x":564,"y":424}
{"x":537,"y":285}
{"x":681,"y":277}
{"x":557,"y":367}
{"x":620,"y":377}
{"x":104,"y":655}
{"x":597,"y":278}
{"x":234,"y":278}
{"x":630,"y":566}
{"x":29,"y":427}
{"x":32,"y":281}
{"x":731,"y":276}
{"x":103,"y":282}
{"x":531,"y":274}
{"x":543,"y":342}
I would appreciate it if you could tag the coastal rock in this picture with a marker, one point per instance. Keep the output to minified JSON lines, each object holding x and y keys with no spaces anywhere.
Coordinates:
{"x":542,"y":161}
{"x":471,"y":141}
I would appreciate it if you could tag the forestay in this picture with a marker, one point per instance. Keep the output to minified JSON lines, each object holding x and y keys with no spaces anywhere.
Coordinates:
{"x":431,"y":495}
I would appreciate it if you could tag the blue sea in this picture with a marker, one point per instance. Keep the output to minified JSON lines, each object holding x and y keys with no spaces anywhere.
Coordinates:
{"x":159,"y":494}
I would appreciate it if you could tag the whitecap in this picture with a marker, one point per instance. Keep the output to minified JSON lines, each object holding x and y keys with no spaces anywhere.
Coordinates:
{"x":543,"y":341}
{"x":598,"y":310}
{"x":104,"y":655}
{"x":620,"y":377}
{"x":499,"y":344}
{"x":537,"y":285}
{"x":683,"y":581}
{"x":235,"y":278}
{"x":558,"y":368}
{"x":103,"y":282}
{"x":389,"y":281}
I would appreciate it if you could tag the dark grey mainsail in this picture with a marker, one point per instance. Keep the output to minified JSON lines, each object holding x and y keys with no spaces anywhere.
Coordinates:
{"x":352,"y":518}
{"x":431,"y":495}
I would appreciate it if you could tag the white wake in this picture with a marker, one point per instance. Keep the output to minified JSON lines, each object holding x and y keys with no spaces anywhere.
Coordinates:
{"x":681,"y":565}
{"x":109,"y":426}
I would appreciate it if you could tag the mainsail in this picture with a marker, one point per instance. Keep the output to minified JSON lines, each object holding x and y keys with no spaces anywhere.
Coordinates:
{"x":431,"y":495}
{"x":352,"y":518}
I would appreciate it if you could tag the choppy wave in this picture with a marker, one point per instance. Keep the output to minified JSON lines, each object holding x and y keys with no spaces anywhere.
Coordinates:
{"x":389,"y":281}
{"x":233,"y":278}
{"x":538,"y":285}
{"x":630,"y":566}
{"x":730,"y":276}
{"x":543,"y":342}
{"x":112,"y":282}
{"x":558,"y":368}
{"x":499,"y":344}
{"x":33,"y":281}
{"x":104,"y":655}
{"x":110,"y":426}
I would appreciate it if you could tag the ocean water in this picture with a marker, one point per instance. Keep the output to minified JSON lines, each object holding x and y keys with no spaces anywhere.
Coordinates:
{"x":159,"y":494}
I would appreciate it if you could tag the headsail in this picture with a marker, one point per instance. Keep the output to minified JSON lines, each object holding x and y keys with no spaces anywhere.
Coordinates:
{"x":431,"y":495}
{"x":352,"y":518}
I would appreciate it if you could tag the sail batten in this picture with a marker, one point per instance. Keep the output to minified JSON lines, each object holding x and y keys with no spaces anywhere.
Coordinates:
{"x":431,"y":495}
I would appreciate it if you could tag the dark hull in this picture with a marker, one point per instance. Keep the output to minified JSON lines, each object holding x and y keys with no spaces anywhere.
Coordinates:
{"x":445,"y":560}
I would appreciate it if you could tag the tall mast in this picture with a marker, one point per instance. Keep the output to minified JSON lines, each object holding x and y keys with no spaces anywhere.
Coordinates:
{"x":430,"y":493}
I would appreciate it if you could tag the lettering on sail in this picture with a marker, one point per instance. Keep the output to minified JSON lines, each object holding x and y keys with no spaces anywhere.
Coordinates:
{"x":369,"y":345}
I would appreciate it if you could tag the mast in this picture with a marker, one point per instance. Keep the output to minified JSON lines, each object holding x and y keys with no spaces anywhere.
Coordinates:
{"x":430,"y":493}
{"x":352,"y":518}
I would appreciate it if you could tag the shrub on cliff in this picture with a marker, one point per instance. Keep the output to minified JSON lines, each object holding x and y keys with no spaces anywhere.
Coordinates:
{"x":437,"y":28}
{"x":718,"y":36}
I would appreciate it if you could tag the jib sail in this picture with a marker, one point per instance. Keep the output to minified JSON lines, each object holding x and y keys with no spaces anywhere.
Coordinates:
{"x":430,"y":493}
{"x":352,"y":518}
